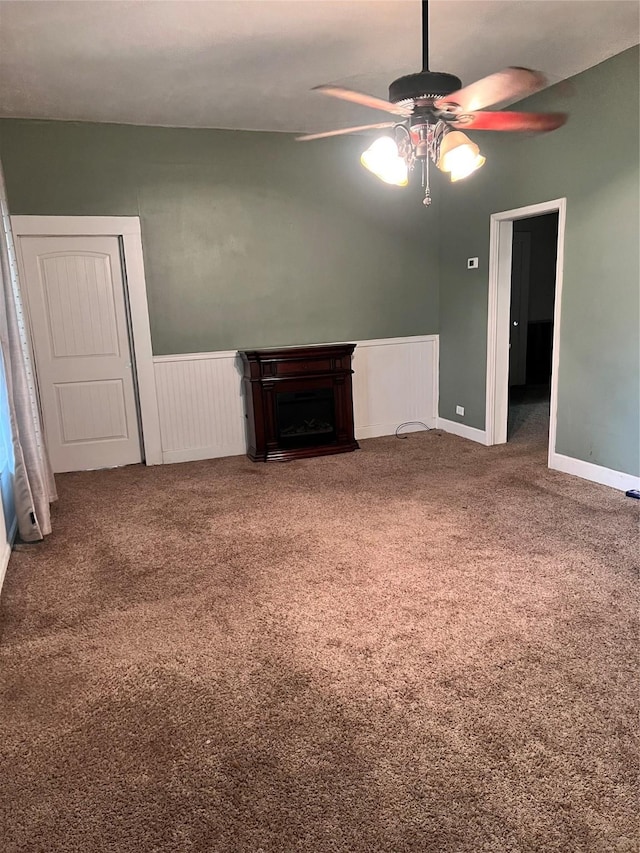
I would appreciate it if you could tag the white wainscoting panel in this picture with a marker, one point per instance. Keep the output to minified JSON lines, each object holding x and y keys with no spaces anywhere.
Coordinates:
{"x":201,"y":405}
{"x":395,"y":380}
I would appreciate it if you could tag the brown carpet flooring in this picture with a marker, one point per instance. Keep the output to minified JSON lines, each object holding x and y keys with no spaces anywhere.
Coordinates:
{"x":426,"y":645}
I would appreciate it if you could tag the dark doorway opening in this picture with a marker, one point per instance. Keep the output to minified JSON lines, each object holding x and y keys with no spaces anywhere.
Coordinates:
{"x":533,"y":288}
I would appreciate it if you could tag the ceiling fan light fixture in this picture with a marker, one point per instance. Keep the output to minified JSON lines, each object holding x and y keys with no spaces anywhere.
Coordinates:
{"x":383,"y":159}
{"x":459,"y":155}
{"x":429,"y":106}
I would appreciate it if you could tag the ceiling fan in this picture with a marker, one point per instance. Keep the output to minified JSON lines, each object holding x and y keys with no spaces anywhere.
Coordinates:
{"x":431,"y":109}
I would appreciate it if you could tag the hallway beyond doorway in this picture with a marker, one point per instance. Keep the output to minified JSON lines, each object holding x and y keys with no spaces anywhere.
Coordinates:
{"x":529,"y":414}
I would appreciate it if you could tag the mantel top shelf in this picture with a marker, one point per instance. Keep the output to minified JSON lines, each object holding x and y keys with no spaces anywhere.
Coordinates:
{"x":296,"y":352}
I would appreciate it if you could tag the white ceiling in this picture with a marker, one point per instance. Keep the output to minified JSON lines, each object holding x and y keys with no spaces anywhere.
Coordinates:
{"x":249,"y":64}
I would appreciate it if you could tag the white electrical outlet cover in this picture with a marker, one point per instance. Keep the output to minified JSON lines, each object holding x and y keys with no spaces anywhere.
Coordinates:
{"x":459,"y":410}
{"x":472,"y":263}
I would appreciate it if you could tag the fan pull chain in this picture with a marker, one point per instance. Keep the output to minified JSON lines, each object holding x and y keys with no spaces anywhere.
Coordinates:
{"x":425,"y":182}
{"x":425,"y":169}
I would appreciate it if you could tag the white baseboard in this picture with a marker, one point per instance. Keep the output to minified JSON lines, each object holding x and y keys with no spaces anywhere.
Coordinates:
{"x":594,"y":473}
{"x":5,"y":551}
{"x":4,"y":562}
{"x":464,"y":431}
{"x":194,"y":454}
{"x":377,"y":430}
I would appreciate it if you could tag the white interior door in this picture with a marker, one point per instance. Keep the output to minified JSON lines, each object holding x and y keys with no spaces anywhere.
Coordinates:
{"x":75,"y":294}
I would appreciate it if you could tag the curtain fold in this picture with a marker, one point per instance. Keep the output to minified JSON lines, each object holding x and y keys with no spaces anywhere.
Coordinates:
{"x":34,"y":484}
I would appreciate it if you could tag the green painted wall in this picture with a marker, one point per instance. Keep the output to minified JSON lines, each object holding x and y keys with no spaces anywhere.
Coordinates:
{"x":253,"y":240}
{"x":593,"y":162}
{"x":250,"y":239}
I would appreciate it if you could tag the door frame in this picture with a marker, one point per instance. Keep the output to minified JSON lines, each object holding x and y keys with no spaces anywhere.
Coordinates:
{"x":127,"y":229}
{"x":497,"y":389}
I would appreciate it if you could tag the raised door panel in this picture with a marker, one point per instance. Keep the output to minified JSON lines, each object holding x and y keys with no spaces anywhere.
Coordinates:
{"x":92,"y":411}
{"x":80,"y":305}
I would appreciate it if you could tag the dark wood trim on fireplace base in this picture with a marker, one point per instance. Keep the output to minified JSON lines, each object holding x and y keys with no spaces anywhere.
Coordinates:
{"x":301,"y":452}
{"x":296,"y":369}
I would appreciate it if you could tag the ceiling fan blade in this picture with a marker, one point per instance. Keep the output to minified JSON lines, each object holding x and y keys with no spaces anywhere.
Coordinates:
{"x":362,"y":99}
{"x":503,"y":87}
{"x":309,"y":136}
{"x":511,"y":121}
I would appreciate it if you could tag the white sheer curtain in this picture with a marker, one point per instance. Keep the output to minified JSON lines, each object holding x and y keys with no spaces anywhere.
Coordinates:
{"x":34,"y":486}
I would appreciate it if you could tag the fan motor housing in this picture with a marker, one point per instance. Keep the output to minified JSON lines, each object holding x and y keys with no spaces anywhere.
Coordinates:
{"x":423,"y":86}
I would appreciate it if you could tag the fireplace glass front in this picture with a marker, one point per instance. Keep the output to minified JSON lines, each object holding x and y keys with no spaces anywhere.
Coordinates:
{"x":305,"y":418}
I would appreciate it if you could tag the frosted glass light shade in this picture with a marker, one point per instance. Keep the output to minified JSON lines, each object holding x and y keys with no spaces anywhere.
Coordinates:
{"x":459,"y":155}
{"x":382,"y":158}
{"x":467,"y":168}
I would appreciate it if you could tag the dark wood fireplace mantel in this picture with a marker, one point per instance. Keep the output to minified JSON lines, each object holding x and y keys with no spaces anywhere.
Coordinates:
{"x":298,"y":401}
